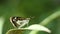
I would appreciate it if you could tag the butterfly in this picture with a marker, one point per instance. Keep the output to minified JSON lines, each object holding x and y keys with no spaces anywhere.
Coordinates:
{"x":19,"y":22}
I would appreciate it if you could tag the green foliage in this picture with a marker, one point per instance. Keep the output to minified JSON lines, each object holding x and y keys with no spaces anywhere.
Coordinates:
{"x":40,"y":9}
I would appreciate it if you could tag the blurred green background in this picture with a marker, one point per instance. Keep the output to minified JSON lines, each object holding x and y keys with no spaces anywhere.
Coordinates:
{"x":40,"y":9}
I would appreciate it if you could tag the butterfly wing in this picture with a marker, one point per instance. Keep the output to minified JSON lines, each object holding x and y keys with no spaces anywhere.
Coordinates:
{"x":19,"y":21}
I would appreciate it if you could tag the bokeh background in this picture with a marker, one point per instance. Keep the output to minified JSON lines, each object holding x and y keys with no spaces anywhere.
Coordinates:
{"x":39,"y":9}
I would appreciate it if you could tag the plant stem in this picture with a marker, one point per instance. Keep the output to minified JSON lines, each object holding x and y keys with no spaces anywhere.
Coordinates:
{"x":47,"y":20}
{"x":1,"y":24}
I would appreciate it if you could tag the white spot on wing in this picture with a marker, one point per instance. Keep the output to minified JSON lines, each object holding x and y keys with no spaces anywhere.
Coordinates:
{"x":24,"y":22}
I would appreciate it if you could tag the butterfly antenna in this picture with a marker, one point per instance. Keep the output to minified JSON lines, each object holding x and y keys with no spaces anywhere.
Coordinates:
{"x":32,"y":17}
